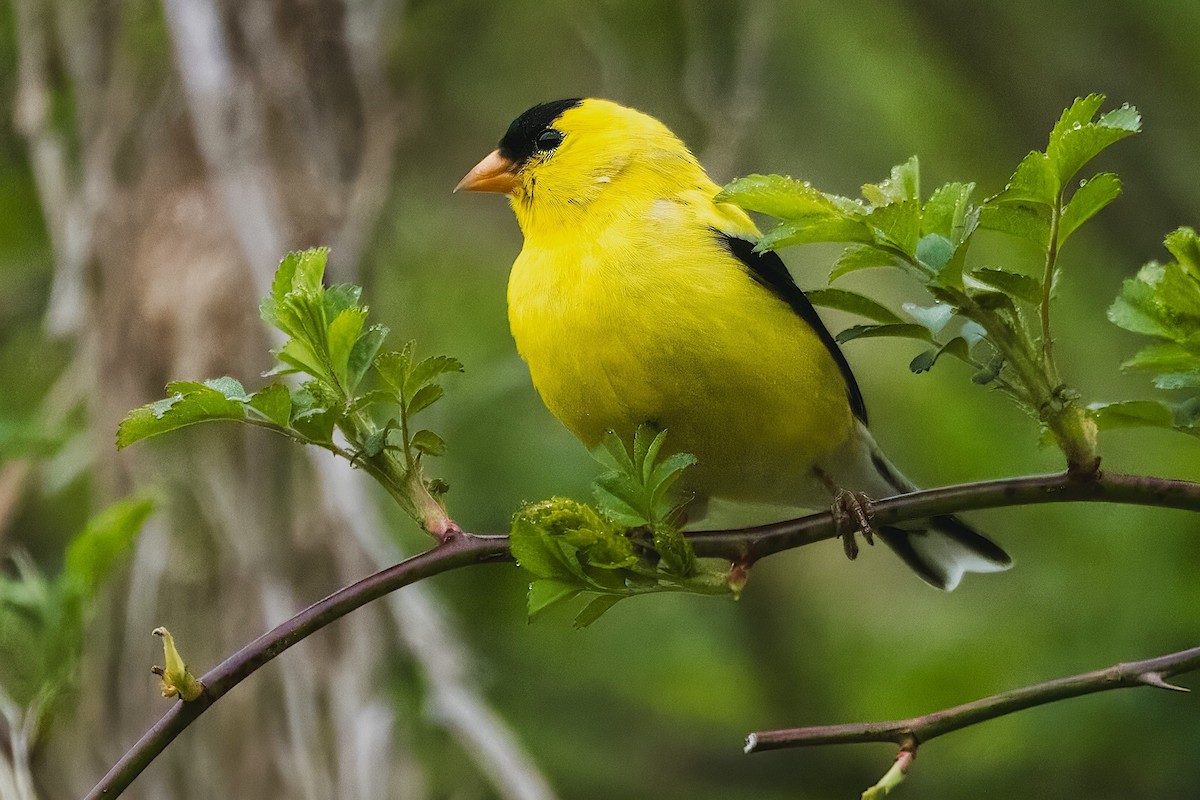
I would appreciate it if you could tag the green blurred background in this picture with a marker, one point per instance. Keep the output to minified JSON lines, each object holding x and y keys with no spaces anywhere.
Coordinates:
{"x":157,"y":159}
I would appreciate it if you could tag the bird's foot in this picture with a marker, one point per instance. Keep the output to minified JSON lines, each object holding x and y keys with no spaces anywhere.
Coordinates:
{"x":852,"y":513}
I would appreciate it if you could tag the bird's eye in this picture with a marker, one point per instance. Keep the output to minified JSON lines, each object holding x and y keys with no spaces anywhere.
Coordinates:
{"x":549,"y":139}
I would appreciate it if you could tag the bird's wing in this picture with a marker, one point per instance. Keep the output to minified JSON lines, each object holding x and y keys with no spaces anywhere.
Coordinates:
{"x":768,"y":269}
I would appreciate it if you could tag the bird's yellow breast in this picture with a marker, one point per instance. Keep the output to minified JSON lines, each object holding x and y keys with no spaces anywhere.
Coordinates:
{"x":646,"y":317}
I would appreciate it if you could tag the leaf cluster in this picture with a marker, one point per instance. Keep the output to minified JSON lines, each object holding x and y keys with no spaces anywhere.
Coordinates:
{"x":42,"y":618}
{"x":994,"y":318}
{"x":1163,"y":301}
{"x":629,"y":544}
{"x":330,"y":345}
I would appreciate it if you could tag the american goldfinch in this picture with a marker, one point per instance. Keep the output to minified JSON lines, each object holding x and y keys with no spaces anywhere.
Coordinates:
{"x":638,"y":299}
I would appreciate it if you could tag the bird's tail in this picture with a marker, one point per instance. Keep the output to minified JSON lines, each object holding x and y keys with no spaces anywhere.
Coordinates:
{"x":939,"y":549}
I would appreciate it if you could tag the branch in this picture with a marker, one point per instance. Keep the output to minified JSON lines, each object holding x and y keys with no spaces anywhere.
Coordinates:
{"x":911,"y":733}
{"x":743,"y":545}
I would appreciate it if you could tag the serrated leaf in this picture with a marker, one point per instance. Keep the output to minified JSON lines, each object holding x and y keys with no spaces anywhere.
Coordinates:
{"x":650,"y":456}
{"x":1076,"y":140}
{"x":298,"y":355}
{"x":1033,"y":183}
{"x":1184,"y":244}
{"x":946,"y":211}
{"x":230,"y":387}
{"x":1132,"y":414}
{"x":342,"y":334}
{"x":612,"y":453}
{"x":1023,"y":287}
{"x":108,"y":537}
{"x":1179,"y":380}
{"x":428,"y":443}
{"x":815,"y":229}
{"x":899,"y":223}
{"x":363,"y":354}
{"x":189,"y":404}
{"x":1087,"y":201}
{"x":778,"y":196}
{"x":310,"y":270}
{"x":858,"y":257}
{"x":427,"y":370}
{"x":339,"y":298}
{"x":853,"y":303}
{"x":1024,"y":221}
{"x":546,"y":593}
{"x":394,"y":367}
{"x":274,"y":402}
{"x":533,"y":551}
{"x":902,"y":330}
{"x":595,"y":609}
{"x":426,"y":396}
{"x":316,"y":424}
{"x":1164,"y":357}
{"x":618,"y":495}
{"x":903,"y":184}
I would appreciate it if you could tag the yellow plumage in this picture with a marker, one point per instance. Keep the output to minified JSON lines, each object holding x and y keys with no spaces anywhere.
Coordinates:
{"x":629,"y":307}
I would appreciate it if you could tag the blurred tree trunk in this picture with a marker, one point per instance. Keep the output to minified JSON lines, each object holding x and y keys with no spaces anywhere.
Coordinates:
{"x":186,"y":174}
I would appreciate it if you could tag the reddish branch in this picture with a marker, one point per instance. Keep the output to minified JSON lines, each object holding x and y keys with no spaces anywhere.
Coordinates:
{"x":742,"y":546}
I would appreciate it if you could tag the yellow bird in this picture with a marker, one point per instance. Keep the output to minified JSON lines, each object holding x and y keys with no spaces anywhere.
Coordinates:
{"x":638,"y":299}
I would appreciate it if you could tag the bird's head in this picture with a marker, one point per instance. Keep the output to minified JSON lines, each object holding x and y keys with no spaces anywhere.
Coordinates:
{"x":563,"y":161}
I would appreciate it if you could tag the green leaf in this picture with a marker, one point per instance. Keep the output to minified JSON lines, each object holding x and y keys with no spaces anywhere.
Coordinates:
{"x":547,"y":592}
{"x":1033,"y":183}
{"x":899,"y":223}
{"x":934,"y":251}
{"x":853,"y":303}
{"x":946,"y":211}
{"x":301,"y":357}
{"x":107,"y":539}
{"x":1073,"y":145}
{"x":531,"y":551}
{"x":426,"y":396}
{"x":903,"y":330}
{"x":1088,"y":200}
{"x":903,"y":184}
{"x":1164,"y":357}
{"x":619,"y":499}
{"x":957,"y":347}
{"x":428,"y":443}
{"x":815,"y":229}
{"x":858,"y":257}
{"x":316,"y":424}
{"x":363,"y":354}
{"x":595,"y":609}
{"x":779,"y":197}
{"x":274,"y":402}
{"x":1138,"y":308}
{"x":1132,"y":414}
{"x":1024,"y":221}
{"x":394,"y":367}
{"x":342,"y":335}
{"x":339,"y":298}
{"x":1014,"y":284}
{"x":1184,"y":244}
{"x":189,"y":403}
{"x":427,"y":370}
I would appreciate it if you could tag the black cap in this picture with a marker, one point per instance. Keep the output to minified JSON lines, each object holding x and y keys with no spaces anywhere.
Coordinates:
{"x":521,"y":141}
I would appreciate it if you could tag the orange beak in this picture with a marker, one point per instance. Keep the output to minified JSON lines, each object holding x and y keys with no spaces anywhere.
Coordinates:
{"x":494,"y":174}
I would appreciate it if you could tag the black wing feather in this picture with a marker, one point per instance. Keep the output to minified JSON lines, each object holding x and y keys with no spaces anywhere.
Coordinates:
{"x":768,"y":269}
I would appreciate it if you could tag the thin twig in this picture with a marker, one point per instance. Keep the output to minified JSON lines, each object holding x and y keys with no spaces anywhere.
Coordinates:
{"x":918,"y":730}
{"x":743,"y":546}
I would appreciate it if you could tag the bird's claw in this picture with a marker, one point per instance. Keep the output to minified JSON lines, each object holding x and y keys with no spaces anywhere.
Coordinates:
{"x":852,"y":513}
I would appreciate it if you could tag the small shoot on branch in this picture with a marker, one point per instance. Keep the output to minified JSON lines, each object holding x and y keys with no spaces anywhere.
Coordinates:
{"x":629,"y":544}
{"x":332,"y":349}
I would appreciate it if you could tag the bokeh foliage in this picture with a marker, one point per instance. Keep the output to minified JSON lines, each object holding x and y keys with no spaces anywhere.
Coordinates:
{"x":654,"y":698}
